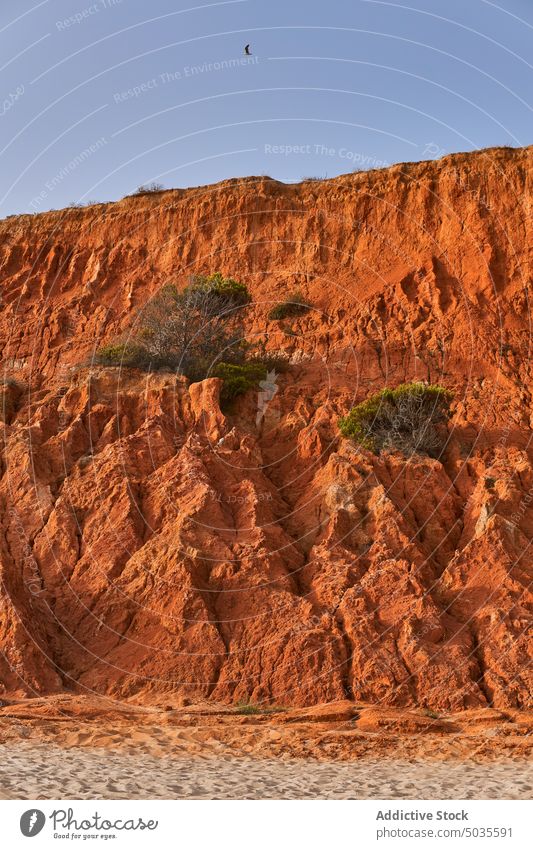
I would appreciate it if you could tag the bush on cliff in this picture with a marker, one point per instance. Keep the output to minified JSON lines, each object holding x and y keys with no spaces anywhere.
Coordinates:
{"x":226,"y":289}
{"x":192,"y":332}
{"x":122,"y":354}
{"x":149,"y":189}
{"x":405,"y":419}
{"x":238,"y":379}
{"x":294,"y":305}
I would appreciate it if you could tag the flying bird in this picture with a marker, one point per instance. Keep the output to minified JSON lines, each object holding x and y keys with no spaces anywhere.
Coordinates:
{"x":247,"y":50}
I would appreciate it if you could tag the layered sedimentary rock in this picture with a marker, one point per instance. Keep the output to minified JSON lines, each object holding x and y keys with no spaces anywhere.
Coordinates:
{"x":152,"y":543}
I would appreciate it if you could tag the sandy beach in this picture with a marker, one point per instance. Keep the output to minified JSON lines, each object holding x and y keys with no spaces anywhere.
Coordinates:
{"x":75,"y":747}
{"x":50,"y":772}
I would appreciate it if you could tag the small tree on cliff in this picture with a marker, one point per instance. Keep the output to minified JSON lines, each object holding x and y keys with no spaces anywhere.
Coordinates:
{"x":406,"y":419}
{"x":189,"y":331}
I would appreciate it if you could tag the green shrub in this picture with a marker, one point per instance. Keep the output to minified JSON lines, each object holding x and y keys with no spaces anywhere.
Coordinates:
{"x":404,"y":419}
{"x":295,"y":304}
{"x":238,"y":378}
{"x":247,"y":709}
{"x":224,"y":287}
{"x":186,"y":331}
{"x":190,"y":331}
{"x":121,"y":354}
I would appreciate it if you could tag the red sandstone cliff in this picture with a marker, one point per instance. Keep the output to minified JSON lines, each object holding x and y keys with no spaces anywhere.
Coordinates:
{"x":151,"y":544}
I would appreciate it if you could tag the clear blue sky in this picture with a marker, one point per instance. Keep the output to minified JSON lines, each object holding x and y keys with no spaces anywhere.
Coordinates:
{"x":333,"y":85}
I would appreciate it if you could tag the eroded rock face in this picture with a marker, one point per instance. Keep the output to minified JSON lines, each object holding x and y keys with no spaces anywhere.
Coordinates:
{"x":153,"y":543}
